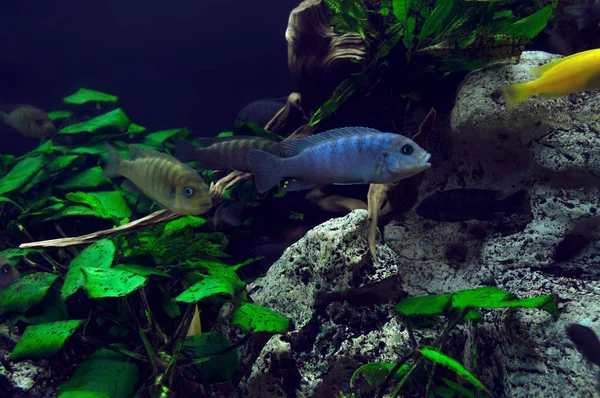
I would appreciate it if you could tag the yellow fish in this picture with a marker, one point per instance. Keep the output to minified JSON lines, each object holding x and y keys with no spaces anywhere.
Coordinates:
{"x":162,"y":178}
{"x":572,"y":74}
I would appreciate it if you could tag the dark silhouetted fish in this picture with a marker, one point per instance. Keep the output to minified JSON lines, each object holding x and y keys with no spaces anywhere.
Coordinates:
{"x":457,"y":205}
{"x":224,"y":153}
{"x":29,"y":121}
{"x":584,"y":14}
{"x":348,"y":155}
{"x":261,"y":111}
{"x":8,"y":273}
{"x":586,"y":341}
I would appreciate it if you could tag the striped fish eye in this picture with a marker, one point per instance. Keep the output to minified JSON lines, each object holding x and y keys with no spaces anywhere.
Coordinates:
{"x":188,"y":191}
{"x":407,"y":149}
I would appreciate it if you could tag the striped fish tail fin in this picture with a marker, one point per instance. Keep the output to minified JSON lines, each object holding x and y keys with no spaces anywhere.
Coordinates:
{"x":267,"y":169}
{"x":114,"y":163}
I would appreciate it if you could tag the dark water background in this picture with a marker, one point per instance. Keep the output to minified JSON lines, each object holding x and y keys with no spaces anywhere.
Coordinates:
{"x":179,"y":63}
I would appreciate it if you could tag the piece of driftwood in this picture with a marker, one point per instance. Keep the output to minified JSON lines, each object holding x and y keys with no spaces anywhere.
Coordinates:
{"x":388,"y":200}
{"x":155,"y":218}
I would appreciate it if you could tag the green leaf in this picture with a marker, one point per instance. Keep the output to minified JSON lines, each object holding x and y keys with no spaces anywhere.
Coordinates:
{"x":482,"y":297}
{"x":532,"y":25}
{"x":76,"y":211}
{"x":375,"y":372}
{"x":211,"y":287}
{"x":13,"y":255}
{"x":110,"y":282}
{"x":340,"y":95}
{"x":84,"y":95}
{"x":116,"y":120}
{"x":255,"y":318}
{"x":90,"y":150}
{"x":21,"y":173}
{"x":105,"y":373}
{"x":459,"y":389}
{"x":41,"y":176}
{"x":473,"y":315}
{"x":43,"y":341}
{"x":425,"y":305}
{"x":107,"y":204}
{"x":181,"y":223}
{"x":171,"y":308}
{"x":135,"y":128}
{"x":140,"y":270}
{"x":400,"y":9}
{"x":215,"y":369}
{"x":158,"y":138}
{"x":98,"y":255}
{"x":444,"y":360}
{"x":25,"y":293}
{"x":409,"y":31}
{"x":7,"y":200}
{"x":59,"y":115}
{"x":89,"y":178}
{"x":437,"y":18}
{"x":503,"y":14}
{"x":61,"y":162}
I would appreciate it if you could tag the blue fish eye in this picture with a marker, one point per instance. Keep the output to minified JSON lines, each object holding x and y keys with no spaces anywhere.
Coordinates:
{"x":407,"y":149}
{"x":188,"y":191}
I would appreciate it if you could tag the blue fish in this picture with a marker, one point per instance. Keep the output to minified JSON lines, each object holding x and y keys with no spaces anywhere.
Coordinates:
{"x":348,"y":155}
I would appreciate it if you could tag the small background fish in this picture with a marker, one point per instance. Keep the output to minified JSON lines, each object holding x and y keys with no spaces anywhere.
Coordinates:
{"x":224,"y":153}
{"x":163,"y":178}
{"x":457,"y":205}
{"x":8,"y":273}
{"x":586,"y":341}
{"x":585,"y":14}
{"x":261,"y":111}
{"x":29,"y":121}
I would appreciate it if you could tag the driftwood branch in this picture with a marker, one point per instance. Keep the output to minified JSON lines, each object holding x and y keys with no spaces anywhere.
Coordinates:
{"x":154,"y":218}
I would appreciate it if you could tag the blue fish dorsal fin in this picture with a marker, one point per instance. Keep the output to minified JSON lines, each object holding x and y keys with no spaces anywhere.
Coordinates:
{"x":296,"y":145}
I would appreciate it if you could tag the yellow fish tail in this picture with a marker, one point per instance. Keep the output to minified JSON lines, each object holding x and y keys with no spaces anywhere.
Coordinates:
{"x":113,"y":165}
{"x":516,"y":93}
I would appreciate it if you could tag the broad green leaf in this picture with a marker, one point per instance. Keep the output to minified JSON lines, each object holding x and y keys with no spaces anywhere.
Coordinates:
{"x":135,"y":128}
{"x":437,"y":18}
{"x":40,"y":177}
{"x":400,"y":9}
{"x":375,"y":372}
{"x":463,"y":391}
{"x":473,"y":315}
{"x":425,"y":305}
{"x":105,"y":373}
{"x":95,"y":149}
{"x":110,"y":282}
{"x":181,"y":223}
{"x":84,"y":95}
{"x":255,"y":318}
{"x":158,"y":138}
{"x":340,"y":95}
{"x":171,"y":308}
{"x":482,"y":297}
{"x":546,"y":303}
{"x":503,"y":14}
{"x":109,"y":203}
{"x":225,"y":134}
{"x":7,"y":200}
{"x":21,"y":173}
{"x":15,"y":254}
{"x":409,"y":31}
{"x":116,"y":120}
{"x":452,"y":364}
{"x":59,"y":115}
{"x":76,"y":211}
{"x":98,"y":255}
{"x":89,"y":178}
{"x":140,"y":270}
{"x":61,"y":162}
{"x":214,"y":369}
{"x":52,"y":308}
{"x":43,"y":341}
{"x":532,"y":25}
{"x":211,"y":287}
{"x":25,"y":293}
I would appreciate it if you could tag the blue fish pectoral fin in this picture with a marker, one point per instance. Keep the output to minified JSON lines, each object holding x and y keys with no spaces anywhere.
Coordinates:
{"x":267,"y":169}
{"x":298,"y":184}
{"x":389,"y":161}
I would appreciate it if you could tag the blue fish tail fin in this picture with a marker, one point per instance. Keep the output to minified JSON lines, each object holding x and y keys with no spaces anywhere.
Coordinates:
{"x":114,"y":163}
{"x":516,"y":203}
{"x":267,"y":169}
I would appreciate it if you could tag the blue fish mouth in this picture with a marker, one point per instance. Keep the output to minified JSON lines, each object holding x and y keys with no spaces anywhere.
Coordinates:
{"x":425,"y":161}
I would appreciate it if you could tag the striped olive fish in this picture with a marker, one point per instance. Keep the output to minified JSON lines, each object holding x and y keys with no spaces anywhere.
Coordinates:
{"x":224,"y":153}
{"x":163,"y":178}
{"x":348,"y":155}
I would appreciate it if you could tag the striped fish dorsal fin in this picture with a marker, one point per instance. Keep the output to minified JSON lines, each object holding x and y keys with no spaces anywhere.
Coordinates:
{"x":296,"y":145}
{"x":208,"y":141}
{"x":136,"y":152}
{"x":539,"y":71}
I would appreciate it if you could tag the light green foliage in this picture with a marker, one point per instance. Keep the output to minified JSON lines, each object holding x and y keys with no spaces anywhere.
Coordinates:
{"x":107,"y":204}
{"x":25,"y":293}
{"x":492,"y":297}
{"x":529,"y":26}
{"x":21,"y":173}
{"x":89,"y":178}
{"x":158,"y":138}
{"x":97,"y":255}
{"x":59,"y":115}
{"x":444,"y":360}
{"x":211,"y":288}
{"x":255,"y":318}
{"x":135,"y":128}
{"x":425,"y":305}
{"x":375,"y":372}
{"x":214,"y":369}
{"x":140,"y":270}
{"x":109,"y":282}
{"x":115,"y":120}
{"x":43,"y":341}
{"x":181,"y":223}
{"x":84,"y":95}
{"x":104,"y":374}
{"x":13,"y":255}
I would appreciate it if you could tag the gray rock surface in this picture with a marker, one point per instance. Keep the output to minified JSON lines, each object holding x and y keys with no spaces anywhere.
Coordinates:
{"x":339,"y":301}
